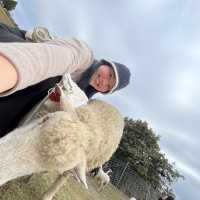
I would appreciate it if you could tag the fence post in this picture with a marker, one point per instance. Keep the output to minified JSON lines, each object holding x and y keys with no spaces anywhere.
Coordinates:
{"x":122,"y":174}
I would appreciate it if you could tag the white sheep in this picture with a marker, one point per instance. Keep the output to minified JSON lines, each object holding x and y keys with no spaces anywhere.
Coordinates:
{"x":102,"y":178}
{"x":132,"y":198}
{"x":80,"y":139}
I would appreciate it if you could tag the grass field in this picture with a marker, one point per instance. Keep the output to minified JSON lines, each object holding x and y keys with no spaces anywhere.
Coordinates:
{"x":31,"y":188}
{"x":4,"y":17}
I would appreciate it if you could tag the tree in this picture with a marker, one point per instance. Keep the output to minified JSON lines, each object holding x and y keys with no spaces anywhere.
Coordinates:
{"x":140,"y":147}
{"x":9,"y":4}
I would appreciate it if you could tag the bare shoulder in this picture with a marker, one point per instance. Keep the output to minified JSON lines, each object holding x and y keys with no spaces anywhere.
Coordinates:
{"x":8,"y":74}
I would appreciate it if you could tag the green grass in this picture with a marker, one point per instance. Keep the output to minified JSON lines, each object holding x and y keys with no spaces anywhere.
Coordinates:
{"x":31,"y":188}
{"x":5,"y":18}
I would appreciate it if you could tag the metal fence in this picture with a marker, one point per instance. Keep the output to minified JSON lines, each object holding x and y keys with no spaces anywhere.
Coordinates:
{"x":129,"y":182}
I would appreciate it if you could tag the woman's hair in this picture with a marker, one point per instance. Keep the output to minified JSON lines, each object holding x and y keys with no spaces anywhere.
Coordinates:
{"x":84,"y":81}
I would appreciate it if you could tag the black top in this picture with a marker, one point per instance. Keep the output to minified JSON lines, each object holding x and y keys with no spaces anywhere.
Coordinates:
{"x":14,"y":107}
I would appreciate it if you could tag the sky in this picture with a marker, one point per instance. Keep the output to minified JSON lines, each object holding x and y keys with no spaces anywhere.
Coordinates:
{"x":159,"y":41}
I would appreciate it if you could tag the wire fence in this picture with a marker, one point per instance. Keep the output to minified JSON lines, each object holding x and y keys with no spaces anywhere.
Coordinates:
{"x":129,"y":182}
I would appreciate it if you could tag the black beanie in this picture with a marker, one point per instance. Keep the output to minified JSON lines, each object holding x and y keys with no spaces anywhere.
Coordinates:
{"x":122,"y":75}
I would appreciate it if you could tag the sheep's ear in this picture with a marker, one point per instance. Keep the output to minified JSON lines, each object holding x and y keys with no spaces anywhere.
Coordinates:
{"x":80,"y":171}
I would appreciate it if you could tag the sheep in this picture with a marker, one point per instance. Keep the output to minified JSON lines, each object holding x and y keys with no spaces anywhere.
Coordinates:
{"x":102,"y":178}
{"x":132,"y":198}
{"x":94,"y":172}
{"x":75,"y":138}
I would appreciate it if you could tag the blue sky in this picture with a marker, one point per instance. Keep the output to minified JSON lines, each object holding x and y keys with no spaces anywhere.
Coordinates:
{"x":159,"y":41}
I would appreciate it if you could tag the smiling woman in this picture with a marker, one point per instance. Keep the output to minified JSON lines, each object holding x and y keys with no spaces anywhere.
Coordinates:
{"x":8,"y":75}
{"x":104,"y":79}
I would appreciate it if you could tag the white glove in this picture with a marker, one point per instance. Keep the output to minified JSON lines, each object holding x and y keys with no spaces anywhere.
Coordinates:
{"x":39,"y":34}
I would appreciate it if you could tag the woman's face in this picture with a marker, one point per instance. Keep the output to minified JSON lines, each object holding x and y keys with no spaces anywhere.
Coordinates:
{"x":103,"y":79}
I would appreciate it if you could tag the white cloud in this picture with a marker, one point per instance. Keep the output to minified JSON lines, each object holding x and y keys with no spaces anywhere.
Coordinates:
{"x":184,"y":88}
{"x":185,"y":168}
{"x":20,"y":16}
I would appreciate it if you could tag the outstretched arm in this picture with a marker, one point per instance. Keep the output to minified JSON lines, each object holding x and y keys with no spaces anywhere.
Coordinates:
{"x":36,"y":62}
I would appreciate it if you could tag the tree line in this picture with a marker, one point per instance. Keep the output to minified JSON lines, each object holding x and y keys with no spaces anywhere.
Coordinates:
{"x":140,"y":147}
